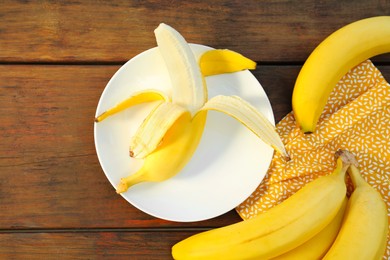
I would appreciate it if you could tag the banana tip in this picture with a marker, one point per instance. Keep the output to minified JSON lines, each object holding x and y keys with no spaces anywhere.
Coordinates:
{"x":122,"y":187}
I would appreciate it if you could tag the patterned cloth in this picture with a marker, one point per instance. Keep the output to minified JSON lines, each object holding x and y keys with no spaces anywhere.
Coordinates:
{"x":356,"y":118}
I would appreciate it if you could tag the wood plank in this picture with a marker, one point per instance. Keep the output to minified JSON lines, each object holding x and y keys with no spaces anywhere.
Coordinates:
{"x":90,"y":245}
{"x":50,"y":176}
{"x":114,"y":31}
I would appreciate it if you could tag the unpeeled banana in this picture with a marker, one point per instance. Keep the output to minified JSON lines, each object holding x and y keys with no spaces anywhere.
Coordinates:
{"x":331,"y":60}
{"x":277,"y":231}
{"x":363,"y":234}
{"x":317,"y":222}
{"x":167,"y":138}
{"x":316,"y":247}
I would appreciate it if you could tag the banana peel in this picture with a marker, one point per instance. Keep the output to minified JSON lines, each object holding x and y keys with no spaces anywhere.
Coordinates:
{"x":216,"y":62}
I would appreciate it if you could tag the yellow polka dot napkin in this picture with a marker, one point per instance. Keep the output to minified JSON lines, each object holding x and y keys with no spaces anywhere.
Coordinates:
{"x":356,"y":118}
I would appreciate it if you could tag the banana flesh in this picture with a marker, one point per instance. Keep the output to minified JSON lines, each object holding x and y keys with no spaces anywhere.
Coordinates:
{"x":281,"y":229}
{"x":331,"y":60}
{"x":188,"y":87}
{"x":363,"y":234}
{"x":169,"y":135}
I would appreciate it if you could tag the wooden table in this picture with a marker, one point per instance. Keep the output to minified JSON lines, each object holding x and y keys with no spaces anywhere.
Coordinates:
{"x":56,"y":58}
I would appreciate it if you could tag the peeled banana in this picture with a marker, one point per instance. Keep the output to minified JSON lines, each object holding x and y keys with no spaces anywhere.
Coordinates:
{"x":331,"y":60}
{"x":363,"y":234}
{"x":170,"y":134}
{"x":277,"y":231}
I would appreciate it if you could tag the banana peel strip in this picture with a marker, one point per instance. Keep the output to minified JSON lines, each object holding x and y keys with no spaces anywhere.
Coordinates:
{"x":135,"y":99}
{"x":250,"y":117}
{"x":219,"y":61}
{"x":152,"y":130}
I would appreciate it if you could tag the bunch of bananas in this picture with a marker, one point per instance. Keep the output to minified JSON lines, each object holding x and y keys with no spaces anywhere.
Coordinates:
{"x":316,"y":222}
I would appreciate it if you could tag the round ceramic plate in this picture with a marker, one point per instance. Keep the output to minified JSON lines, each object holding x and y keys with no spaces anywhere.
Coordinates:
{"x":228,"y":165}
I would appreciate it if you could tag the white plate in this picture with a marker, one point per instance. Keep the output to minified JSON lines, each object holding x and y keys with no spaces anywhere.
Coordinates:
{"x":228,"y":165}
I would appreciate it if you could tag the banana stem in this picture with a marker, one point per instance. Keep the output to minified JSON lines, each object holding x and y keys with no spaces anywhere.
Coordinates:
{"x":346,"y":159}
{"x":285,"y":155}
{"x":356,"y":177}
{"x":351,"y":165}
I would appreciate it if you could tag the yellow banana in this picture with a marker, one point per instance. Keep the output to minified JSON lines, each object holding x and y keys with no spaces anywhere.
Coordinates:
{"x":170,"y":134}
{"x":331,"y":60}
{"x":316,"y":247}
{"x":282,"y":228}
{"x":215,"y":62}
{"x":181,"y":141}
{"x":148,"y":134}
{"x":363,"y":234}
{"x":135,"y":99}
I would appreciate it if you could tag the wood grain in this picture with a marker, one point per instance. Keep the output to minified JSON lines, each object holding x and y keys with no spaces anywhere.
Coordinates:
{"x":92,"y":31}
{"x":90,"y":245}
{"x":50,"y":175}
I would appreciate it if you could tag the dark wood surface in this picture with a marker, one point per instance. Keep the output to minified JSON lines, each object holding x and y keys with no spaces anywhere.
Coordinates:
{"x":56,"y":58}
